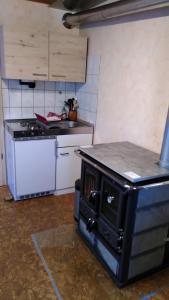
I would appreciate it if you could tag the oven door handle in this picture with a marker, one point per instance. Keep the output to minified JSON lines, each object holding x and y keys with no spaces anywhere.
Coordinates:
{"x":110,"y":199}
{"x":93,"y":196}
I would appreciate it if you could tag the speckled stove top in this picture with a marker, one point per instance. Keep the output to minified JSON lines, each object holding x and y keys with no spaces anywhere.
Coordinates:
{"x":128,"y":160}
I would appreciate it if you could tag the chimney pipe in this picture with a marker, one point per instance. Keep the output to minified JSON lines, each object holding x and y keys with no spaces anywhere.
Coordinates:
{"x":164,"y":156}
{"x":111,"y":10}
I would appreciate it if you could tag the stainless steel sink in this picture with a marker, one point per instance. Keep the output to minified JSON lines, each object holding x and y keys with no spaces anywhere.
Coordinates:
{"x":69,"y":124}
{"x":64,"y":124}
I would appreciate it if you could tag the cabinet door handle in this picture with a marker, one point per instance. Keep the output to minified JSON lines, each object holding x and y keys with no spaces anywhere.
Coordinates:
{"x":59,"y":76}
{"x":38,"y":74}
{"x":64,"y":154}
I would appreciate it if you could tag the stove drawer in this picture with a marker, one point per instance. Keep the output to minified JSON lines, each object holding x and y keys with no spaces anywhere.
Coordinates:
{"x":109,"y":235}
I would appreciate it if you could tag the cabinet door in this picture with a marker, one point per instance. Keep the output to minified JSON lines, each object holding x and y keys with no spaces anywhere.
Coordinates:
{"x":68,"y":168}
{"x":67,"y":57}
{"x":24,"y":54}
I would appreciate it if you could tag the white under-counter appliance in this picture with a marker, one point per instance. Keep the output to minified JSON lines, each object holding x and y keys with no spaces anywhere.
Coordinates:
{"x":68,"y":164}
{"x":40,"y":160}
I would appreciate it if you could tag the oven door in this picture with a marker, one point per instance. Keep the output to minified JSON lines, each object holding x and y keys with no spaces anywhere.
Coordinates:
{"x":90,"y":186}
{"x":113,"y":198}
{"x":112,"y":202}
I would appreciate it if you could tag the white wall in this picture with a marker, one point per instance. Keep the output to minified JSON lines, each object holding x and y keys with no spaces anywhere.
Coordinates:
{"x":21,"y":13}
{"x":133,"y":93}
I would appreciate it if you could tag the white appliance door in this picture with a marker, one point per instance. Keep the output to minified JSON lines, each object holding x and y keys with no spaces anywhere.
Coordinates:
{"x":68,"y":168}
{"x":35,"y":166}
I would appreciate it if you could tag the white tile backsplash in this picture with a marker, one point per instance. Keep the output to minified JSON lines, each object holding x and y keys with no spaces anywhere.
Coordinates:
{"x":39,"y":110}
{"x":93,"y":65}
{"x":4,"y":83}
{"x":21,"y":101}
{"x":60,"y":98}
{"x":70,"y":86}
{"x":27,"y":98}
{"x":49,"y":85}
{"x":49,"y":98}
{"x":87,"y":93}
{"x":60,"y":86}
{"x":5,"y":96}
{"x":6,"y":112}
{"x":70,"y":95}
{"x":14,"y":84}
{"x":14,"y":98}
{"x":27,"y":112}
{"x":58,"y":109}
{"x":39,"y":85}
{"x":39,"y":98}
{"x":16,"y":112}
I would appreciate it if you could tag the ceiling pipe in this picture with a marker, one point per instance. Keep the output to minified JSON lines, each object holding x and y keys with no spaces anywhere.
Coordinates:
{"x":112,"y":10}
{"x":78,"y":5}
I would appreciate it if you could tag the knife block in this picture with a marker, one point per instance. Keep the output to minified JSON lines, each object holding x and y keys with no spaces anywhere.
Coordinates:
{"x":72,"y":115}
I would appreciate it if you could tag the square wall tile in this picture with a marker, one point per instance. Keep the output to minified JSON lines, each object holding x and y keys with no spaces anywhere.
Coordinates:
{"x":15,"y":112}
{"x":6,"y":113}
{"x":59,"y":99}
{"x":27,"y":112}
{"x":70,"y":95}
{"x":60,"y":86}
{"x":58,"y":110}
{"x":39,"y":85}
{"x":14,"y":84}
{"x":79,"y":87}
{"x":5,"y":96}
{"x":91,"y":117}
{"x":90,"y":102}
{"x":49,"y":85}
{"x":93,"y":64}
{"x":39,"y":110}
{"x":4,"y":83}
{"x":39,"y":98}
{"x":14,"y":98}
{"x":27,"y":98}
{"x":49,"y":98}
{"x":70,"y":86}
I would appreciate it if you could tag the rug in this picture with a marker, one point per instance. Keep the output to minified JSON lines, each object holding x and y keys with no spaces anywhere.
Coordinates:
{"x":74,"y":271}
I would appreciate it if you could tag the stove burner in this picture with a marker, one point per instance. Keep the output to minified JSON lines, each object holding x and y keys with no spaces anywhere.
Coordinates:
{"x":30,"y":125}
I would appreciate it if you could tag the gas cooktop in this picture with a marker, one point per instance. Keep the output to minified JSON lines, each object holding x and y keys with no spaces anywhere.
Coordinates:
{"x":25,"y":128}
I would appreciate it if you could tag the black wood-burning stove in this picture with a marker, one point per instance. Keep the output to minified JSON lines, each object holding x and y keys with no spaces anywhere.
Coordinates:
{"x":124,"y":209}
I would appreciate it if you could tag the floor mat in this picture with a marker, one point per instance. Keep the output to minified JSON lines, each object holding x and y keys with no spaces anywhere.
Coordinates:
{"x":73,"y":270}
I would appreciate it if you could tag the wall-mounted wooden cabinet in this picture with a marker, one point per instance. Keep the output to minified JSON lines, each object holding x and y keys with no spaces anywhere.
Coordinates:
{"x":46,"y":55}
{"x":67,"y":57}
{"x":24,"y":54}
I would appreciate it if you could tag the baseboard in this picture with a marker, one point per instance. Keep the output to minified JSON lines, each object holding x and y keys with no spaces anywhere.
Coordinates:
{"x":64,"y":191}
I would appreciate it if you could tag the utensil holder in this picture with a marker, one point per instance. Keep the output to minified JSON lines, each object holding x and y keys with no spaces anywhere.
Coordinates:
{"x":72,"y":115}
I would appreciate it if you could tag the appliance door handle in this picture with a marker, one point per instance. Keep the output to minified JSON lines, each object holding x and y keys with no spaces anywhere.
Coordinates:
{"x":56,"y":149}
{"x":65,"y":154}
{"x":110,"y":199}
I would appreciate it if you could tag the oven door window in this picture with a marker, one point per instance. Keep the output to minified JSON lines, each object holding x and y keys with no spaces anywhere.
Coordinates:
{"x":110,"y":198}
{"x":90,"y":183}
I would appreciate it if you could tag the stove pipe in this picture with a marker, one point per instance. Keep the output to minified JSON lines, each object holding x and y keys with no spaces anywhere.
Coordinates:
{"x":164,"y":156}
